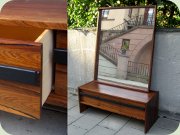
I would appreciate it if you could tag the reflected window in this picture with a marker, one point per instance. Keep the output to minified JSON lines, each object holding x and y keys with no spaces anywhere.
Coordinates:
{"x":105,"y":14}
{"x":125,"y":45}
{"x":130,"y":13}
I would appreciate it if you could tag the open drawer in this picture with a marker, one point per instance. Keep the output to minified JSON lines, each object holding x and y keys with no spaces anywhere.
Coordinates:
{"x":25,"y":69}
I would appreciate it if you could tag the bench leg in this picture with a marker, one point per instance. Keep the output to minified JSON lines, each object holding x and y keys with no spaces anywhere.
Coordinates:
{"x":151,"y":113}
{"x":83,"y":107}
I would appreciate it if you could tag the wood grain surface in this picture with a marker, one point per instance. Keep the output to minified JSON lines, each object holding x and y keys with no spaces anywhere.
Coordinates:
{"x":21,"y":55}
{"x":20,"y":99}
{"x":61,"y":80}
{"x":61,"y":39}
{"x":50,"y":14}
{"x":113,"y":98}
{"x":118,"y":92}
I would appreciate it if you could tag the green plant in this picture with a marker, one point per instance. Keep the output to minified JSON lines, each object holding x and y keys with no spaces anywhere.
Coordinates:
{"x":83,"y":13}
{"x":168,"y":15}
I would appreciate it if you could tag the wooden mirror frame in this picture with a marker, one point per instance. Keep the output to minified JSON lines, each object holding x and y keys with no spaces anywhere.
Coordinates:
{"x":98,"y":42}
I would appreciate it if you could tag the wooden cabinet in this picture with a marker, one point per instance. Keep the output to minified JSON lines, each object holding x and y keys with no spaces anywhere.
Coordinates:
{"x":33,"y":56}
{"x":116,"y":99}
{"x":122,"y":79}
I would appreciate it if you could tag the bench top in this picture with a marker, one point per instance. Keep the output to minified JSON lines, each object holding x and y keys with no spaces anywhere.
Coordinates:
{"x":118,"y":92}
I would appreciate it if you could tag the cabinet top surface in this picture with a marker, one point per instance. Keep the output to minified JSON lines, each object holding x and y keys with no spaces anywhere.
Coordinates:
{"x":101,"y":88}
{"x":48,"y":14}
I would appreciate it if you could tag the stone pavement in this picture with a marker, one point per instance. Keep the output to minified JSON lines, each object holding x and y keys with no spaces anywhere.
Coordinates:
{"x":51,"y":123}
{"x":98,"y":122}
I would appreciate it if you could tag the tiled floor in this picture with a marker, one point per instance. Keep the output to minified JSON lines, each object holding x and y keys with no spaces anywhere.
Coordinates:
{"x":98,"y":122}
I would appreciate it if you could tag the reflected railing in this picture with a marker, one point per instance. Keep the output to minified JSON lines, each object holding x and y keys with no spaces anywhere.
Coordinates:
{"x":127,"y":26}
{"x":110,"y":53}
{"x":138,"y":71}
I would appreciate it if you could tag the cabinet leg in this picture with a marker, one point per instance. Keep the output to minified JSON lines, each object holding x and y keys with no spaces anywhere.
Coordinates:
{"x":83,"y":107}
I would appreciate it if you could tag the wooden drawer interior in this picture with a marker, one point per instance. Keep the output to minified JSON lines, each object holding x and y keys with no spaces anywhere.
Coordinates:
{"x":28,"y":49}
{"x":61,"y":39}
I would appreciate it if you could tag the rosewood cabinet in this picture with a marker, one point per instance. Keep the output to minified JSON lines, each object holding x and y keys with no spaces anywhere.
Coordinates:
{"x":123,"y":65}
{"x":33,"y":56}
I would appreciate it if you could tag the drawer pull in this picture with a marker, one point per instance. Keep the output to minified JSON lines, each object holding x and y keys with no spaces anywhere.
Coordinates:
{"x":19,"y":75}
{"x":60,"y":56}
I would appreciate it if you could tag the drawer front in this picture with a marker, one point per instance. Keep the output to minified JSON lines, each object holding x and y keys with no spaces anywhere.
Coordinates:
{"x":21,"y":99}
{"x":119,"y":109}
{"x":21,"y":55}
{"x":20,"y":78}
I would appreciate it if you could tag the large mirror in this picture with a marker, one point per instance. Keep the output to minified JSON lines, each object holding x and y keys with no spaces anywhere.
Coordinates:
{"x":125,"y":46}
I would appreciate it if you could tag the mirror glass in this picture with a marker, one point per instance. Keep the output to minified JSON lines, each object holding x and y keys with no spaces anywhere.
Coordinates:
{"x":126,"y":45}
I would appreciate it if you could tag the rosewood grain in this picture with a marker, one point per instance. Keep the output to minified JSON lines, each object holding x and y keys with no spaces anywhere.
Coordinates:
{"x":21,"y":27}
{"x":21,"y":55}
{"x":61,"y":41}
{"x":49,"y":14}
{"x":135,"y":104}
{"x":19,"y":99}
{"x":59,"y":96}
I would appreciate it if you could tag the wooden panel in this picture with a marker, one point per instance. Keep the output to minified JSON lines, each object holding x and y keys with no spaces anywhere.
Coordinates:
{"x":104,"y":89}
{"x":20,"y":99}
{"x":21,"y":55}
{"x":20,"y":33}
{"x":50,"y":14}
{"x":112,"y":98}
{"x":59,"y":96}
{"x":57,"y":100}
{"x":9,"y":110}
{"x":138,"y":114}
{"x":61,"y":80}
{"x":61,"y":39}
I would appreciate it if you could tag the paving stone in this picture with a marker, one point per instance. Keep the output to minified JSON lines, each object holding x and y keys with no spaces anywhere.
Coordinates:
{"x":93,"y":112}
{"x":71,"y":119}
{"x":114,"y":122}
{"x":158,"y":131}
{"x":73,"y":130}
{"x":167,"y":124}
{"x":74,"y":112}
{"x":98,"y":130}
{"x":136,"y":124}
{"x":72,"y":103}
{"x":87,"y":122}
{"x":129,"y":131}
{"x":51,"y":123}
{"x":74,"y":97}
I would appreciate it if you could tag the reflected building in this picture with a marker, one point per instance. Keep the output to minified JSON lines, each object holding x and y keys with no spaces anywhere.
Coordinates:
{"x":126,"y":43}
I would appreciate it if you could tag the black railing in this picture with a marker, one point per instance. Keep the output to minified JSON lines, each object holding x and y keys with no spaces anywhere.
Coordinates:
{"x":110,"y":53}
{"x":127,"y":26}
{"x":138,"y":70}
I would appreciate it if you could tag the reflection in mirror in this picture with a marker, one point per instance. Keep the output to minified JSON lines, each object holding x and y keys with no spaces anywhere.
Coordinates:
{"x":126,"y":45}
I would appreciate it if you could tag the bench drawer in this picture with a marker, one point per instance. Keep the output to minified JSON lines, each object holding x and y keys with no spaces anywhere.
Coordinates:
{"x":25,"y":69}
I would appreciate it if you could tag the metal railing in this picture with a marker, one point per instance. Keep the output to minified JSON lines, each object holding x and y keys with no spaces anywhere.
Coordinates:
{"x":127,"y":26}
{"x":138,"y":70}
{"x":110,"y":53}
